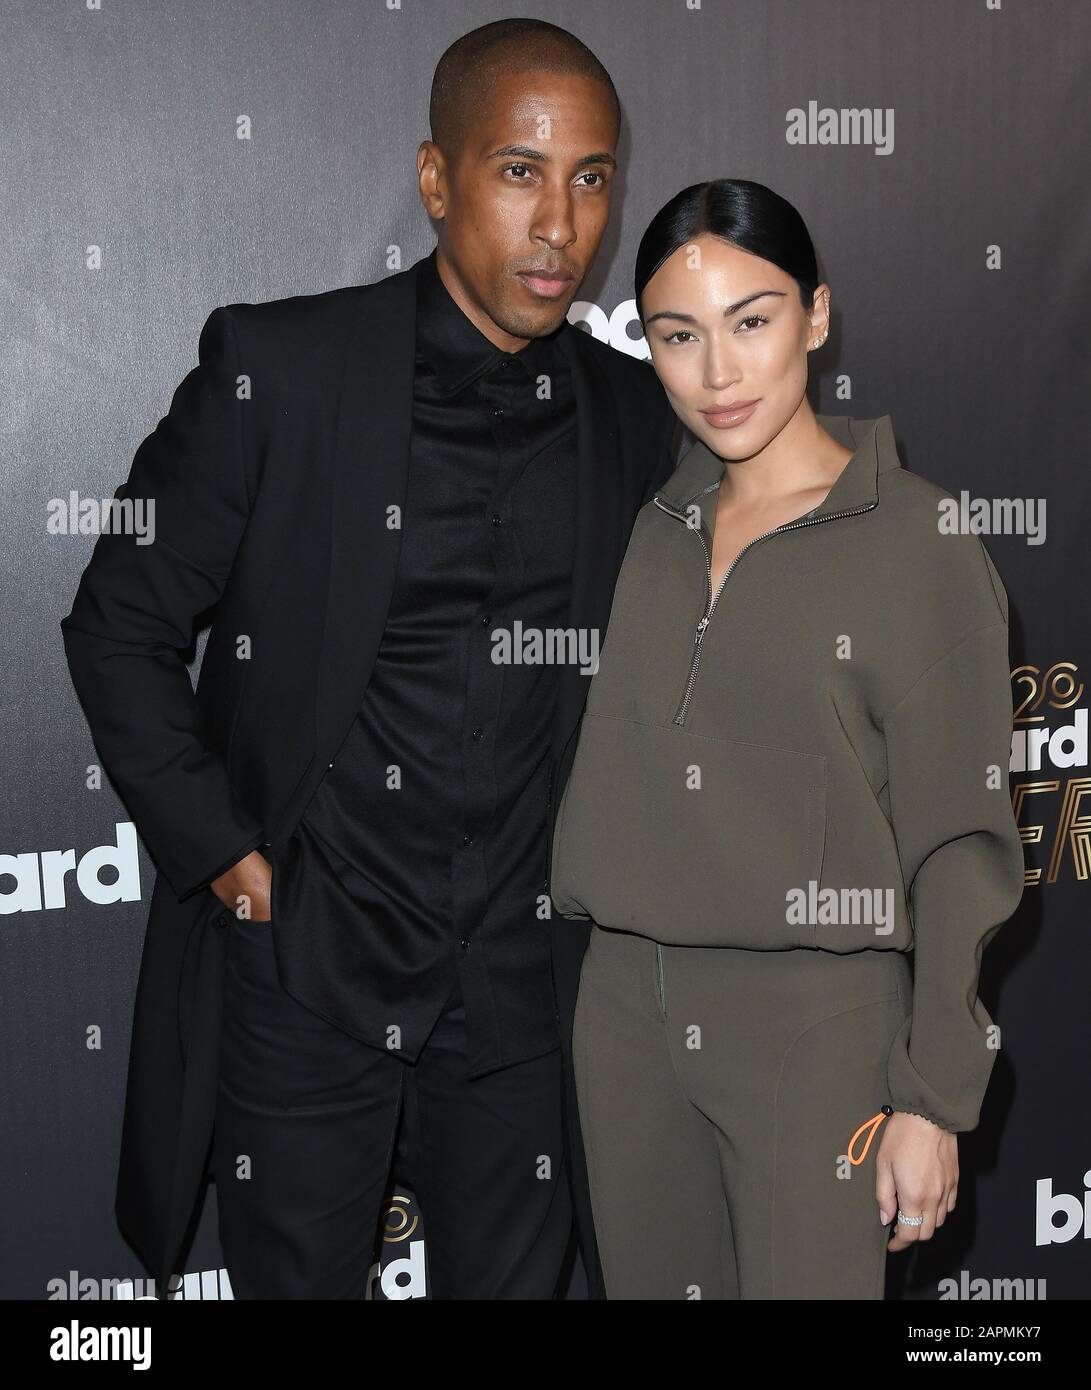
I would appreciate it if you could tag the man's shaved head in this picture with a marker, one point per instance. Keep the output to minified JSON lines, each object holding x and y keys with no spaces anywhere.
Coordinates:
{"x":518,"y":174}
{"x":507,"y":47}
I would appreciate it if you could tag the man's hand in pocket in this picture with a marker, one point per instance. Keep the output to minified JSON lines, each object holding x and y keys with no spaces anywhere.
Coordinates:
{"x":244,"y":888}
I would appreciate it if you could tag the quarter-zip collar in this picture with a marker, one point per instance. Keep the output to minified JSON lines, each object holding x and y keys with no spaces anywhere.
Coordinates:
{"x":875,"y":452}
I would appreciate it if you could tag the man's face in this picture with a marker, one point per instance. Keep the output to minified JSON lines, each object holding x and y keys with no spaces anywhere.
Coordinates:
{"x":524,"y":204}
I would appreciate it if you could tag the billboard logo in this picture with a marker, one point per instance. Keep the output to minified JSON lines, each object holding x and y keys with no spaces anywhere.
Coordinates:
{"x":38,"y":879}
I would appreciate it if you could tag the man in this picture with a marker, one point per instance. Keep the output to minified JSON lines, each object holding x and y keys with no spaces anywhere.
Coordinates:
{"x":381,"y":491}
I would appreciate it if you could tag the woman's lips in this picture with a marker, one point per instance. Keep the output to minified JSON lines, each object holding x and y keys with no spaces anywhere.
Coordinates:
{"x":548,"y":286}
{"x":728,"y":419}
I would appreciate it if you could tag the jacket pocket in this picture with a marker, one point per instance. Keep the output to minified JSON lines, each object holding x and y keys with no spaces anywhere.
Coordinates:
{"x":689,"y":840}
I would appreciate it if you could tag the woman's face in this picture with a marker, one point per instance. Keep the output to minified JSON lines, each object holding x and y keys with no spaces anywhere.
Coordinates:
{"x":727,"y":329}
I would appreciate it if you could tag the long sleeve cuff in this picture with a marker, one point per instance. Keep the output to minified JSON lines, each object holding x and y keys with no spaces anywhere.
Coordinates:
{"x":253,"y":843}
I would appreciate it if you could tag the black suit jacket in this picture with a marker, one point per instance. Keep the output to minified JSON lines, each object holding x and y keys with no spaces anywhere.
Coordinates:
{"x":272,"y":475}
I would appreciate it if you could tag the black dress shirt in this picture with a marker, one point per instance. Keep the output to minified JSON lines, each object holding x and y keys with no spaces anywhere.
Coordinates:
{"x":428,"y":832}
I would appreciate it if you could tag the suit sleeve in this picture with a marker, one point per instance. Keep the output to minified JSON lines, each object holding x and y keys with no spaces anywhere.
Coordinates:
{"x":135,"y":614}
{"x":948,"y":744}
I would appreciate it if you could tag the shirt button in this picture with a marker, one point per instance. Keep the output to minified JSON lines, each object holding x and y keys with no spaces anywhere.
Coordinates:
{"x":467,"y":839}
{"x":498,"y":410}
{"x":478,"y":735}
{"x":486,"y":619}
{"x":464,"y":944}
{"x":497,"y":520}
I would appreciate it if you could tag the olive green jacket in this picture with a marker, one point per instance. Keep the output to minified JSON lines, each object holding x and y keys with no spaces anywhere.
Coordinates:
{"x":818,"y":757}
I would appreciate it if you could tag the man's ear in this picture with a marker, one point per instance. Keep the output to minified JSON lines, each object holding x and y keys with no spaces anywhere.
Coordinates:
{"x":430,"y":166}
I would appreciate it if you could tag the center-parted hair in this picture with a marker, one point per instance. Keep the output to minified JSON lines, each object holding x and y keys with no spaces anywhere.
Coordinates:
{"x":474,"y":62}
{"x":747,"y":215}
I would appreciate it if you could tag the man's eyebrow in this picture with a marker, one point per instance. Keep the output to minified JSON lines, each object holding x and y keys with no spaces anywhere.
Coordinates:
{"x":731,"y":308}
{"x":529,"y":152}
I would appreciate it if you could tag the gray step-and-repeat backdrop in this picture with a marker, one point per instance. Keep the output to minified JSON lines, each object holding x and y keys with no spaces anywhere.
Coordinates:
{"x":161,"y":159}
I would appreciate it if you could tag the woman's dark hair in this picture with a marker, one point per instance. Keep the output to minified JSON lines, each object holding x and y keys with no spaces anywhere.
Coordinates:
{"x":747,"y":214}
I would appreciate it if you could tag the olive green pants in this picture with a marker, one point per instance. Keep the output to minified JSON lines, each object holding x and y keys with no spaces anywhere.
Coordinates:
{"x":719,"y":1091}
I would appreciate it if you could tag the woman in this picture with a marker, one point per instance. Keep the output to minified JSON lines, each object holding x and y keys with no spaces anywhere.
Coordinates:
{"x":791,"y":773}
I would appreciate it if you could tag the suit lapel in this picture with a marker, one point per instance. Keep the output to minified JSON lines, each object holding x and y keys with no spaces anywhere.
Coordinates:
{"x":598,"y":515}
{"x":370,"y":474}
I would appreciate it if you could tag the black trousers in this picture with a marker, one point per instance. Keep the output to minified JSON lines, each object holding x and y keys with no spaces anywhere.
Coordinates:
{"x":307,"y":1119}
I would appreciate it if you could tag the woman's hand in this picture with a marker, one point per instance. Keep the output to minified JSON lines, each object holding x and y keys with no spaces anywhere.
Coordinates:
{"x":916,"y":1170}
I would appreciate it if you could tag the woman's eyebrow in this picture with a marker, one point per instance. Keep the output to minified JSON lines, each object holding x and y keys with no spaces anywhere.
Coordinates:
{"x":731,"y":308}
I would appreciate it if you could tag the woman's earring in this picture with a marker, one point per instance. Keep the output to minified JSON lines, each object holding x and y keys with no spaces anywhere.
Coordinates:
{"x":819,"y":341}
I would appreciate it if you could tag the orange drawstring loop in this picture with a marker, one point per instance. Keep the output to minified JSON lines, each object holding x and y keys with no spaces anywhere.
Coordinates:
{"x":872,"y":1124}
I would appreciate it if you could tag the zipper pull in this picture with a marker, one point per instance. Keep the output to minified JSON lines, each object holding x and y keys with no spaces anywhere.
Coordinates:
{"x":700,"y":629}
{"x":872,"y":1125}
